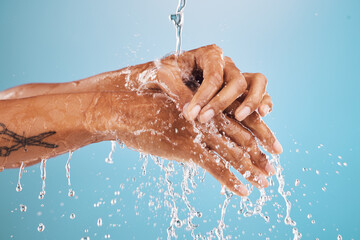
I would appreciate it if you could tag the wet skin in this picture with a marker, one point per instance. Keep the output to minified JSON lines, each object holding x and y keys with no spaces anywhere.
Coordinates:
{"x":193,"y":107}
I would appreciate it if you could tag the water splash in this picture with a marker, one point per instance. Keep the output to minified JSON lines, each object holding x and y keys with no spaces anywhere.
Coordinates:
{"x":178,"y":19}
{"x":43,"y":177}
{"x":144,"y":157}
{"x":219,"y":229}
{"x":18,"y":186}
{"x":281,"y":181}
{"x":189,"y":172}
{"x":109,"y":159}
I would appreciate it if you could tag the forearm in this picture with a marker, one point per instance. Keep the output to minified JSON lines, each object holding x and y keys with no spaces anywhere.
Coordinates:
{"x":105,"y":82}
{"x":42,"y":127}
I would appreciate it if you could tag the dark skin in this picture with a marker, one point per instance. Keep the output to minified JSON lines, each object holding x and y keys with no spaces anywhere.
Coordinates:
{"x":149,"y":107}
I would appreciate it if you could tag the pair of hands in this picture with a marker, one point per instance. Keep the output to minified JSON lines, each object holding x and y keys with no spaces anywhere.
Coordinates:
{"x":207,"y":115}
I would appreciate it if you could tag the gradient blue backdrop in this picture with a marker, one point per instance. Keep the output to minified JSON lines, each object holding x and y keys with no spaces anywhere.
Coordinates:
{"x":309,"y":50}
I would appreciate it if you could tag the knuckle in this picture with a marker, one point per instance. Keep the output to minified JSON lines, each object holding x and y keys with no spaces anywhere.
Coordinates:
{"x":215,"y":80}
{"x":260,"y":77}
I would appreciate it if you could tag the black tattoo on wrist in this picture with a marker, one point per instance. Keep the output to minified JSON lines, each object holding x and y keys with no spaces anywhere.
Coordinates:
{"x":19,"y":141}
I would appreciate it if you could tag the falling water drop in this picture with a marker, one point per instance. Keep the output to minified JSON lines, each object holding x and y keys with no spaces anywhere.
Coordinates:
{"x":67,"y":167}
{"x":23,"y":208}
{"x":99,"y":222}
{"x":109,"y":159}
{"x":43,"y":177}
{"x":41,"y":227}
{"x":339,"y":237}
{"x":18,"y":186}
{"x":144,"y":157}
{"x":85,"y":238}
{"x":297,"y":182}
{"x":71,"y":193}
{"x":72,"y":216}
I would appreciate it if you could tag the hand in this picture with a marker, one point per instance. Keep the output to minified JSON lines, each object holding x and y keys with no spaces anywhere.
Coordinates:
{"x":180,"y":77}
{"x":152,"y":123}
{"x":218,"y":83}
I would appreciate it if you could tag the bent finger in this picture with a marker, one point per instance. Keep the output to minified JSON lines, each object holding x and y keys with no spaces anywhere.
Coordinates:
{"x":235,"y":86}
{"x":211,"y":63}
{"x":265,"y":105}
{"x":256,"y":85}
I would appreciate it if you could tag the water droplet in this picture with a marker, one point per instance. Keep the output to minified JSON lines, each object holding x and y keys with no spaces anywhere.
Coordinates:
{"x":42,"y":195}
{"x":85,"y":238}
{"x":18,"y":187}
{"x":23,"y":208}
{"x":309,"y":216}
{"x":297,"y":182}
{"x":109,"y":159}
{"x":323,"y":188}
{"x":339,"y":237}
{"x":72,"y":215}
{"x":71,"y":193}
{"x":113,"y":201}
{"x":178,"y":223}
{"x":313,"y":221}
{"x":41,"y":227}
{"x":99,"y":222}
{"x":43,"y":177}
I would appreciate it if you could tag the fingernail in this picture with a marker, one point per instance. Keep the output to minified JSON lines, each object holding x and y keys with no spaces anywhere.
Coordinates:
{"x":243,"y":113}
{"x":265,"y":109}
{"x":241,"y":190}
{"x":206,"y":116}
{"x":185,"y":109}
{"x":270,"y":169}
{"x":194,"y":112}
{"x":277,"y":147}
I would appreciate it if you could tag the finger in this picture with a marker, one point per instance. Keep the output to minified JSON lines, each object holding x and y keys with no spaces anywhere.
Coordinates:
{"x":243,"y":137}
{"x":265,"y":105}
{"x":235,"y":156}
{"x":256,"y":85}
{"x":211,"y":63}
{"x":263,"y":133}
{"x":260,"y":130}
{"x":218,"y":169}
{"x":235,"y":86}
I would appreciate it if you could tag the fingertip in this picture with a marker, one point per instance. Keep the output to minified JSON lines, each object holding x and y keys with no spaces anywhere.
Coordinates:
{"x":270,"y":169}
{"x":263,"y":182}
{"x":206,"y":116}
{"x":277,"y":147}
{"x":241,"y":190}
{"x":193,"y":112}
{"x":242,"y":113}
{"x":264,"y":110}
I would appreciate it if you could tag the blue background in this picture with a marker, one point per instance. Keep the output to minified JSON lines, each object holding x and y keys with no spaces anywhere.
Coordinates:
{"x":309,"y":50}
